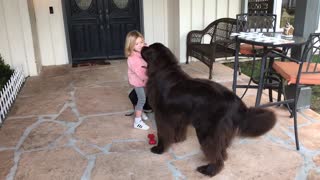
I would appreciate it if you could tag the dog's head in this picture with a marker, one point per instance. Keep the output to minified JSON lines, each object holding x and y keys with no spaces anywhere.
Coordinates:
{"x":158,"y":56}
{"x":150,"y":53}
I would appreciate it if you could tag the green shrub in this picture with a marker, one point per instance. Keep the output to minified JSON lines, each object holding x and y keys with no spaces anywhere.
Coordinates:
{"x":5,"y":73}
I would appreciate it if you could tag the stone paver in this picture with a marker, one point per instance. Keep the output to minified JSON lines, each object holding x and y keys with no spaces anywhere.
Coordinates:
{"x":70,"y":123}
{"x":249,"y":160}
{"x":51,"y":164}
{"x":6,"y":159}
{"x":103,"y":130}
{"x":313,"y":175}
{"x":132,"y":165}
{"x":42,"y":104}
{"x":14,"y":129}
{"x":43,"y":135}
{"x":310,"y":136}
{"x":97,"y":100}
{"x":68,"y":115}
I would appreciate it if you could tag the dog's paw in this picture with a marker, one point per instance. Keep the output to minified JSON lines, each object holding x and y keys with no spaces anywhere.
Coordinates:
{"x":157,"y":150}
{"x":208,"y":170}
{"x":224,"y":155}
{"x":180,"y":138}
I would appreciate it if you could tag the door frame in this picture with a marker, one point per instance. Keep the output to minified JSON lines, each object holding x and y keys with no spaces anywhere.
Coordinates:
{"x":66,"y":26}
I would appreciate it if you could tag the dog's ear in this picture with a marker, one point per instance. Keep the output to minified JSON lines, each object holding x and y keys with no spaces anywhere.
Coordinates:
{"x":146,"y":53}
{"x":150,"y":53}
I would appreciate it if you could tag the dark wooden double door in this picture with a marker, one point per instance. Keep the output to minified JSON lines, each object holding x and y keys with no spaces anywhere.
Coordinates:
{"x":97,"y":28}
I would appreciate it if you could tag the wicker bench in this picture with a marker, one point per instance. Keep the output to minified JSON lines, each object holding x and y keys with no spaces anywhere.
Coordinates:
{"x":221,"y":44}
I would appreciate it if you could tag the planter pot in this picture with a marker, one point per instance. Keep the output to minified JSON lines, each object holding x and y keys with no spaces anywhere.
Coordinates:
{"x":304,"y":99}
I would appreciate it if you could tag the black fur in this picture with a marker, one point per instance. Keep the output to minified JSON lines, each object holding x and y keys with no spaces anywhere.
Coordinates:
{"x":216,"y":113}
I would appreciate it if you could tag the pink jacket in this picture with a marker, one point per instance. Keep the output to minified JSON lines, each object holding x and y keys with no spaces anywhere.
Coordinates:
{"x":137,"y":70}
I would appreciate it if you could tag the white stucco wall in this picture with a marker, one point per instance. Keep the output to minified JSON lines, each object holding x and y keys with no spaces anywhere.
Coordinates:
{"x":161,"y":24}
{"x":31,"y":60}
{"x":4,"y":45}
{"x":51,"y":34}
{"x":197,"y":14}
{"x":319,"y":24}
{"x":155,"y":21}
{"x":16,"y":45}
{"x":173,"y":26}
{"x":165,"y":21}
{"x":34,"y":40}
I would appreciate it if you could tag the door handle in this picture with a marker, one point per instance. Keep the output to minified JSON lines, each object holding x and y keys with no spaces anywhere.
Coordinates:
{"x":101,"y":19}
{"x":107,"y":19}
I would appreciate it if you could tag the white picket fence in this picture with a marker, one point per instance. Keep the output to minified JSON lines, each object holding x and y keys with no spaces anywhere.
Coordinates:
{"x":9,"y":92}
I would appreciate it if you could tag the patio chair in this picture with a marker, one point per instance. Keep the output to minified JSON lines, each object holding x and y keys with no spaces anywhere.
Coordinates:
{"x":299,"y":72}
{"x":221,"y":44}
{"x":257,"y":22}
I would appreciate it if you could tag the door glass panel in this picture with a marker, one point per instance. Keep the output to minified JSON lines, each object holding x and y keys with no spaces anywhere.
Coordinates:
{"x":121,"y":4}
{"x":83,"y":4}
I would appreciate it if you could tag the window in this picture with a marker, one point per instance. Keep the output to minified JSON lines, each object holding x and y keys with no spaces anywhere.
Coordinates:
{"x":287,"y":12}
{"x":260,"y":6}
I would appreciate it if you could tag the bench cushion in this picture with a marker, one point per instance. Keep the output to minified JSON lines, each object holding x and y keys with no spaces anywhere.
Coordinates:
{"x":207,"y":50}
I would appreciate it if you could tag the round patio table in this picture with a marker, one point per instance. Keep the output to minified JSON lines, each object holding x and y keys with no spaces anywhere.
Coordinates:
{"x":269,"y":41}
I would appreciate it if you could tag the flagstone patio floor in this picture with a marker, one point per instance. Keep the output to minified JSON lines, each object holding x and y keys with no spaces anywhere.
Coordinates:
{"x":69,"y":123}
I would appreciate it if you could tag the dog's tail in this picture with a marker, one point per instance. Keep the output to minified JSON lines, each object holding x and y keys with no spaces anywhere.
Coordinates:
{"x":257,"y":121}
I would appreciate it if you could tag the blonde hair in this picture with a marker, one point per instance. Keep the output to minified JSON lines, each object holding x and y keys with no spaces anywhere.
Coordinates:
{"x":131,"y":38}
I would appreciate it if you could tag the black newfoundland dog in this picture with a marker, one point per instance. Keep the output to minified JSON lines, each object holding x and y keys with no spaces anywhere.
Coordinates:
{"x":216,"y":113}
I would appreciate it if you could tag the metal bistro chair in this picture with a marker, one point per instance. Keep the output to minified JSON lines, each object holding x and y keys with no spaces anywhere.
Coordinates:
{"x":298,"y":72}
{"x":256,"y":22}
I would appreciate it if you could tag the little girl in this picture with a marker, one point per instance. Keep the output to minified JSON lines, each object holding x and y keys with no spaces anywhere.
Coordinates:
{"x":137,"y":74}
